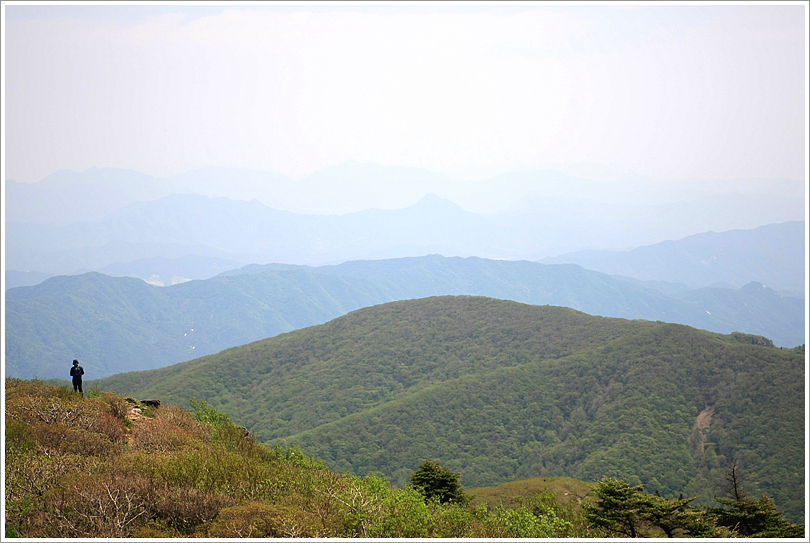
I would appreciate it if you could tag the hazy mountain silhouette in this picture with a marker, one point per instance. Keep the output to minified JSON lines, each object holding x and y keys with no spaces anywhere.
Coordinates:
{"x":773,"y":254}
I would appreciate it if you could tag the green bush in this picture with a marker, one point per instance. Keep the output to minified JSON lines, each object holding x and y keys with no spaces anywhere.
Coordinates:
{"x":208,"y":414}
{"x":403,"y":513}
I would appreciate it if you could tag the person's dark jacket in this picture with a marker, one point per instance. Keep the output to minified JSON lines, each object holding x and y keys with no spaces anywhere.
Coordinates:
{"x":76,"y":372}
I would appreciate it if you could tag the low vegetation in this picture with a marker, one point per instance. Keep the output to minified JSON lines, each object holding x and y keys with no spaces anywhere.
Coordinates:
{"x":80,"y":467}
{"x":108,"y":466}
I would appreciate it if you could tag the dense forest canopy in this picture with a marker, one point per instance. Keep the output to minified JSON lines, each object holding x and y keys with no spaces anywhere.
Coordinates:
{"x":503,"y":391}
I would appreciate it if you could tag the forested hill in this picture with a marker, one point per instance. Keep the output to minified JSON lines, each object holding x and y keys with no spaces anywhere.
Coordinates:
{"x":118,"y":324}
{"x":501,"y":391}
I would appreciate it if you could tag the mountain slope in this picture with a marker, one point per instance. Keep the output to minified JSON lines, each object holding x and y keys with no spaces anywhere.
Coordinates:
{"x":772,"y":254}
{"x":115,"y":325}
{"x":504,"y":391}
{"x":124,"y":324}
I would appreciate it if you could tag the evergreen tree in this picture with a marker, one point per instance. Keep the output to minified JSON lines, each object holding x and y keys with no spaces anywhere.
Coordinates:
{"x":618,"y":508}
{"x":436,"y":481}
{"x":747,"y":517}
{"x":629,"y":511}
{"x":671,"y":516}
{"x":751,"y":518}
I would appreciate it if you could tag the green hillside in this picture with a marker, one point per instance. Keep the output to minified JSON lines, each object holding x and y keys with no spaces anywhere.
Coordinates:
{"x":503,"y":391}
{"x":120,"y":324}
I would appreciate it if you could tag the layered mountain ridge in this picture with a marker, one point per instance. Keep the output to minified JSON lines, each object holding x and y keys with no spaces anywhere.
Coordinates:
{"x":123,"y":324}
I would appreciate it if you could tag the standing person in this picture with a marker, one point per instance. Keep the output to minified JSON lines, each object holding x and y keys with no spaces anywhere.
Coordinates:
{"x":76,"y":372}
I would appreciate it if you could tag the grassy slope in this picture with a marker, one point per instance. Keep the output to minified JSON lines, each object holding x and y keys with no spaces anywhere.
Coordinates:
{"x":104,"y":466}
{"x":566,"y":489}
{"x":504,"y":391}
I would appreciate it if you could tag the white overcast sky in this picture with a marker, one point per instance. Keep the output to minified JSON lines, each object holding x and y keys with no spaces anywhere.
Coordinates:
{"x":666,"y":91}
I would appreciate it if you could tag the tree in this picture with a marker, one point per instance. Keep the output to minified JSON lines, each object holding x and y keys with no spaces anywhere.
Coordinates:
{"x":628,"y":511}
{"x":669,"y":515}
{"x":748,"y":517}
{"x":733,"y":487}
{"x":436,"y":481}
{"x":751,"y":518}
{"x":618,"y":507}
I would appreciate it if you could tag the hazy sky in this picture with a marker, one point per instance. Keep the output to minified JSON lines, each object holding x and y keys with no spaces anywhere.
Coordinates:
{"x":672,"y":91}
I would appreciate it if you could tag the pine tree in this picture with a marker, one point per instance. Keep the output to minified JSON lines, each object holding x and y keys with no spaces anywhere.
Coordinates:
{"x":629,"y":511}
{"x":618,"y":507}
{"x":751,"y":518}
{"x":671,"y":516}
{"x":747,"y":517}
{"x":436,"y":481}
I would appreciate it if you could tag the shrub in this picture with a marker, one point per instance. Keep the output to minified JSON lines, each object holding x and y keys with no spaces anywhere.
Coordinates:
{"x":160,"y":436}
{"x":94,"y":392}
{"x":453,"y":521}
{"x":522,"y":522}
{"x":58,"y":439}
{"x":547,"y":504}
{"x":110,"y":426}
{"x":210,"y":468}
{"x":175,"y":415}
{"x":262,"y":520}
{"x":208,"y":414}
{"x":19,"y":437}
{"x":154,"y":529}
{"x":21,"y":387}
{"x":101,"y":505}
{"x":404,"y":513}
{"x":185,"y":509}
{"x":118,"y":406}
{"x":50,"y":410}
{"x":65,"y":393}
{"x":31,"y":474}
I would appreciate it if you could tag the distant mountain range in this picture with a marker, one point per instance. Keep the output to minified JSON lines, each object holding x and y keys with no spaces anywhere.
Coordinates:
{"x":250,"y":232}
{"x":116,"y":325}
{"x":774,"y":254}
{"x":74,"y":222}
{"x":66,"y":196}
{"x":502,"y":391}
